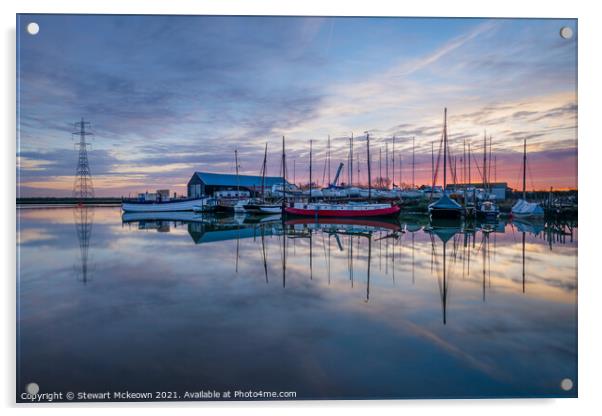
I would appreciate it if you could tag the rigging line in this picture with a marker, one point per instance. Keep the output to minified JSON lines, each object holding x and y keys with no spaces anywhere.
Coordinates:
{"x":518,"y":179}
{"x":478,"y":169}
{"x":436,"y":175}
{"x":530,"y":177}
{"x":324,"y":173}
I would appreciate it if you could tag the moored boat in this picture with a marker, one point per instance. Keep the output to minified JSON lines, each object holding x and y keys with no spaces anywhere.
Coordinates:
{"x":445,"y":207}
{"x":411,"y":194}
{"x":207,"y":205}
{"x":488,"y":210}
{"x":354,"y":192}
{"x":522,"y":208}
{"x":290,"y":190}
{"x":350,"y":210}
{"x":181,"y":204}
{"x":232,"y":205}
{"x":262,"y":208}
{"x":183,"y":216}
{"x":259,"y":205}
{"x":313,"y":193}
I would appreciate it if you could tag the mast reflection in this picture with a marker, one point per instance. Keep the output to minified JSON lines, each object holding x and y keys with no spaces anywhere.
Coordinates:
{"x":444,"y":230}
{"x":352,"y":240}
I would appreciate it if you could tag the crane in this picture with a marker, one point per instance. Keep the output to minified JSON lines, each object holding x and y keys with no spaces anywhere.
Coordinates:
{"x":333,"y":184}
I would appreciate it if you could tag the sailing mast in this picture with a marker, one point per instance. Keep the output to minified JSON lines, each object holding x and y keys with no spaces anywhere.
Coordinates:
{"x":485,"y":161}
{"x":283,"y":177}
{"x":380,"y":167}
{"x":469,"y":164}
{"x":400,"y":169}
{"x":393,"y":164}
{"x":369,"y":168}
{"x":351,"y":160}
{"x":237,"y":178}
{"x":464,"y":172}
{"x":413,"y":164}
{"x":433,"y":167}
{"x":387,"y":165}
{"x":474,"y":193}
{"x":265,"y":156}
{"x":525,"y":169}
{"x":464,"y":167}
{"x":359,"y":177}
{"x":310,"y":169}
{"x":328,"y":159}
{"x":489,"y":169}
{"x":444,"y":149}
{"x":350,"y":163}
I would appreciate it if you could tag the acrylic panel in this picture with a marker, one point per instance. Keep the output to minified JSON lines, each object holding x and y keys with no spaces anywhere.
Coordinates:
{"x":292,"y":208}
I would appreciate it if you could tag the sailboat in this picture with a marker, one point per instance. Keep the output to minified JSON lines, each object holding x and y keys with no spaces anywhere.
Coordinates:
{"x":240,"y":199}
{"x":261,"y":206}
{"x":445,"y":207}
{"x":348,"y":210}
{"x":333,"y":190}
{"x":522,"y":208}
{"x":412,"y":193}
{"x":487,"y":209}
{"x":353,"y":191}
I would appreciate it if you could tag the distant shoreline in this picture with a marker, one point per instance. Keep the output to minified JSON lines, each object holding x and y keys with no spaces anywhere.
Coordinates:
{"x":69,"y":201}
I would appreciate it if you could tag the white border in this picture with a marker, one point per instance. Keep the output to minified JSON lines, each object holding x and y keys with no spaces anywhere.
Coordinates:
{"x":590,"y":151}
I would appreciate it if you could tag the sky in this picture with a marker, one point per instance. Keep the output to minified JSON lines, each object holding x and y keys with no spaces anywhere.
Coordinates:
{"x":170,"y":95}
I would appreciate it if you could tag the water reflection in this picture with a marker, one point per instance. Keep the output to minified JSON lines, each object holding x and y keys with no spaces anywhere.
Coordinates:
{"x":363,"y":234}
{"x":83,"y":218}
{"x":345,"y":309}
{"x":452,"y":242}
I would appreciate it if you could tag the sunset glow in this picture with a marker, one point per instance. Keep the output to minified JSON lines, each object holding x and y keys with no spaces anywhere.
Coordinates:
{"x":168,"y":96}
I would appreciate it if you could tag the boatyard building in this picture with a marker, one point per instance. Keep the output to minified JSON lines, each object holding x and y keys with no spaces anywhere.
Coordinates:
{"x":205,"y":183}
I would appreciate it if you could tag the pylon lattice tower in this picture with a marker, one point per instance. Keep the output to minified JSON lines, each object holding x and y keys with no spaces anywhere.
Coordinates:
{"x":83,"y":187}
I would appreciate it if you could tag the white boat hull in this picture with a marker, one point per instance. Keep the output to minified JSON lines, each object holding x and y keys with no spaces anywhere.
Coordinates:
{"x":334,"y":193}
{"x":271,"y":210}
{"x":261,"y":208}
{"x":412,"y":194}
{"x":524,"y":209}
{"x":186,"y":216}
{"x":168,"y":206}
{"x":315,"y":193}
{"x":240,"y":206}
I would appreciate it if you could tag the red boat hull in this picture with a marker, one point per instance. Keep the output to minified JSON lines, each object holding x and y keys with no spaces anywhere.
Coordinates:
{"x":346,"y":221}
{"x":381,"y":212}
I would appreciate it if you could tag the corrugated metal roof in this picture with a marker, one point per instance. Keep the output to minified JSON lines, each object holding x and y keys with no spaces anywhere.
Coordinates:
{"x":224,"y":179}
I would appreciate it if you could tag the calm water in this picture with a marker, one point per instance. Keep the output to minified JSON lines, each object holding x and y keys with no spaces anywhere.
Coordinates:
{"x":327,"y":311}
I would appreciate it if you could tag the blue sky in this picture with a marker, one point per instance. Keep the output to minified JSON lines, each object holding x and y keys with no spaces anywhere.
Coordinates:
{"x":168,"y":95}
